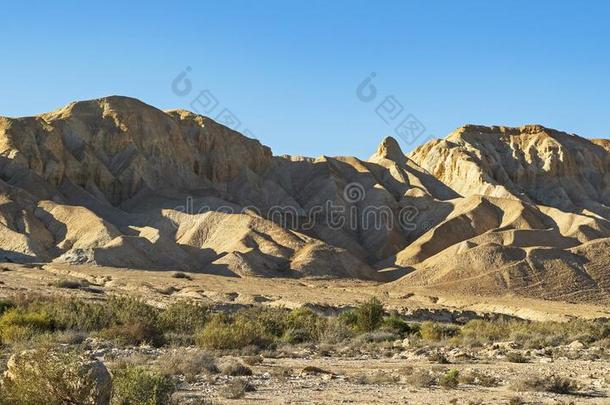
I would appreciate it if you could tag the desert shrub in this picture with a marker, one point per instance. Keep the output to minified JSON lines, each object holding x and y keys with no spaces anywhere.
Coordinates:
{"x":561,"y":385}
{"x":516,"y":357}
{"x":437,"y":331}
{"x":369,"y":315}
{"x":538,"y":334}
{"x":70,"y":283}
{"x":304,"y":325}
{"x":179,"y":274}
{"x":17,"y":324}
{"x":235,"y":389}
{"x":5,"y":305}
{"x":486,"y":330}
{"x":134,"y":334}
{"x":553,"y":383}
{"x":133,"y":322}
{"x":183,"y":317}
{"x":348,"y":317}
{"x":127,"y":310}
{"x":69,"y":337}
{"x":222,"y":333}
{"x":271,"y":321}
{"x":235,"y":369}
{"x":295,"y":336}
{"x":136,"y":385}
{"x":50,"y":377}
{"x":188,"y":364}
{"x":75,"y":314}
{"x":336,"y":330}
{"x":396,"y":324}
{"x":478,"y":378}
{"x":450,"y":379}
{"x":421,"y":379}
{"x":252,"y":360}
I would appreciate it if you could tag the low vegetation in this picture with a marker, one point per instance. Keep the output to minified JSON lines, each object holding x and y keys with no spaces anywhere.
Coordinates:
{"x":138,"y":385}
{"x":133,"y":322}
{"x":553,"y":383}
{"x":62,"y":325}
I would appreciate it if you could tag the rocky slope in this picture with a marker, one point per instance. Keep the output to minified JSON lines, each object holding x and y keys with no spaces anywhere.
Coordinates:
{"x":116,"y":182}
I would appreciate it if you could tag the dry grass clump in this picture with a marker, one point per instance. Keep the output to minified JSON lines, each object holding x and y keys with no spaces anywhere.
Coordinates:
{"x":536,"y":335}
{"x":437,"y":331}
{"x":188,"y":364}
{"x":71,"y":283}
{"x":516,"y":357}
{"x":421,"y":379}
{"x":476,"y":377}
{"x":235,"y":369}
{"x":553,"y":383}
{"x":252,"y":360}
{"x":236,"y":389}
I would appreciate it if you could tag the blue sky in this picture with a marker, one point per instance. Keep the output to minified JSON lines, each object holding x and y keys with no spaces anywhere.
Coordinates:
{"x":289,"y":71}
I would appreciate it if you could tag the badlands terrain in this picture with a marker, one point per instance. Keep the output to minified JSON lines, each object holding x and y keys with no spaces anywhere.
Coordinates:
{"x":487,"y":210}
{"x":447,"y":275}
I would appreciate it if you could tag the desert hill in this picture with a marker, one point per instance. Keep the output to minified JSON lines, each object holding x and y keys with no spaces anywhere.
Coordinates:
{"x":488,"y":210}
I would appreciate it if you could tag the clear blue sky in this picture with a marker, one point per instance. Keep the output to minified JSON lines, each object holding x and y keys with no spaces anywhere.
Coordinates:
{"x":289,"y":69}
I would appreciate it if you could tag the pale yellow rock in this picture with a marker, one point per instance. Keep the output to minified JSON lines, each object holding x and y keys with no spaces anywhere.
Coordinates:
{"x":497,"y":210}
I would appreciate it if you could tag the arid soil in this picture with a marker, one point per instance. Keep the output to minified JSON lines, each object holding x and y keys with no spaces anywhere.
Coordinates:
{"x":387,"y":372}
{"x":160,"y":288}
{"x":305,"y":376}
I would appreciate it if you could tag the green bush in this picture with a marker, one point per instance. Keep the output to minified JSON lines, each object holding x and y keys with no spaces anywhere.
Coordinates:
{"x":53,"y":378}
{"x":127,"y":310}
{"x":18,"y":324}
{"x":183,"y":317}
{"x":134,"y":334}
{"x":369,"y":315}
{"x":348,"y":318}
{"x":450,"y":379}
{"x":303,"y":325}
{"x":271,"y":321}
{"x":135,"y":385}
{"x":221,"y":333}
{"x":76,"y":314}
{"x":437,"y":331}
{"x":396,"y":324}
